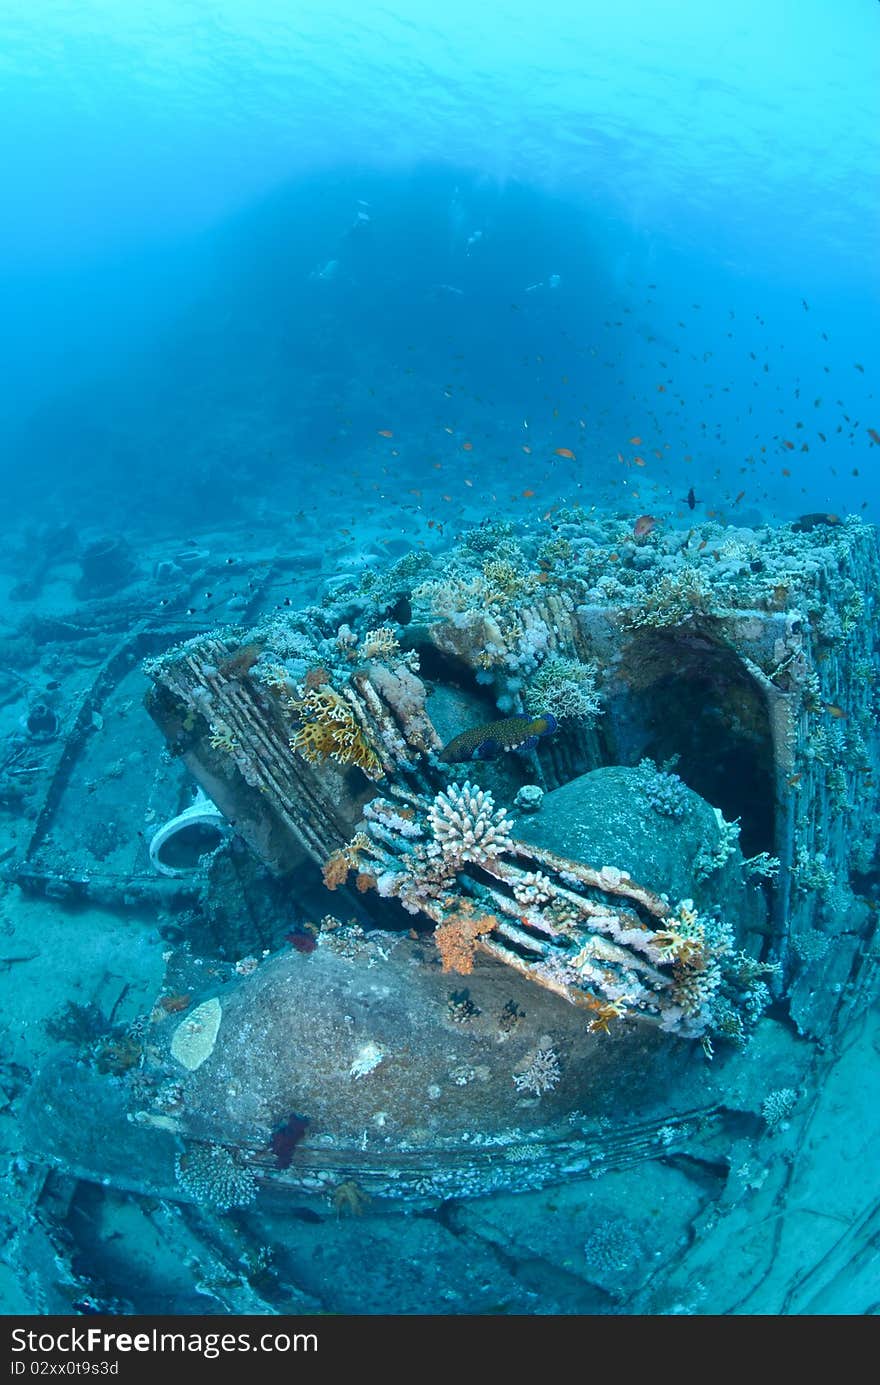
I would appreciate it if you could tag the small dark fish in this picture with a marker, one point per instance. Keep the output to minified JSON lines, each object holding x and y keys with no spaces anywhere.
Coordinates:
{"x":497,"y":737}
{"x":812,"y":521}
{"x":690,"y":499}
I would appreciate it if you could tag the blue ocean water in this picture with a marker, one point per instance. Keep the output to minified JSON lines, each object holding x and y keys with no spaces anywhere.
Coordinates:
{"x":385,"y":271}
{"x":175,"y":178}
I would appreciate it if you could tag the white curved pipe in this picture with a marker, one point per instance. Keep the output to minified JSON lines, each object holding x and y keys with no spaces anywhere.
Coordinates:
{"x":201,"y":811}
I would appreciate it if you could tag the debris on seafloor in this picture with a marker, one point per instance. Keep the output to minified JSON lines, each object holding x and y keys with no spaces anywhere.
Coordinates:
{"x":680,"y":863}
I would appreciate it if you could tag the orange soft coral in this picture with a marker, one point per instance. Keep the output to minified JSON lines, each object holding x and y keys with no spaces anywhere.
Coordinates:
{"x":456,"y":940}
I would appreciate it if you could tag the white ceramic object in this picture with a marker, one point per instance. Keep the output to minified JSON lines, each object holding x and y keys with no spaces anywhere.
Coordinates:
{"x":202,"y":811}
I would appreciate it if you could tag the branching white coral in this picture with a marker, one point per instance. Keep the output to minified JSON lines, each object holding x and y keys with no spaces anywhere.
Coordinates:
{"x":541,"y":1075}
{"x":466,"y":826}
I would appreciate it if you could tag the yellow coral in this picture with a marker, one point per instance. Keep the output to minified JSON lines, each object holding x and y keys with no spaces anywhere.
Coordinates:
{"x":605,"y":1011}
{"x":277,"y":678}
{"x":505,"y":581}
{"x":223,"y":739}
{"x":329,"y":731}
{"x":381,"y":643}
{"x":335,"y":869}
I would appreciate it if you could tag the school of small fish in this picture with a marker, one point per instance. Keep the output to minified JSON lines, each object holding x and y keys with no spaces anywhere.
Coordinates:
{"x":571,"y":447}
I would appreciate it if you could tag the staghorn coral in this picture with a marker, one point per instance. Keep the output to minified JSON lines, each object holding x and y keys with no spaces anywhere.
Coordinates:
{"x":564,"y":687}
{"x":466,"y":826}
{"x":533,"y":888}
{"x":329,"y":731}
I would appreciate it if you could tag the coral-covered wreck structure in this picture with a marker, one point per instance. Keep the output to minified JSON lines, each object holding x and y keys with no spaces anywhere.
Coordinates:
{"x":540,"y":854}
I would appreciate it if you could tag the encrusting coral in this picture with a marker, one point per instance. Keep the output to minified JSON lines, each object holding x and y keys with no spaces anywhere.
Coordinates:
{"x":210,"y":1175}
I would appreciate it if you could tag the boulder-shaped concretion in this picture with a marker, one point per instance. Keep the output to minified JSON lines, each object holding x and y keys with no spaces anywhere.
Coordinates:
{"x":650,"y":825}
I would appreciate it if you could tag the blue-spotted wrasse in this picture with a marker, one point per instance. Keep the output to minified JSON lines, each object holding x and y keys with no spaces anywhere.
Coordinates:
{"x":497,"y":738}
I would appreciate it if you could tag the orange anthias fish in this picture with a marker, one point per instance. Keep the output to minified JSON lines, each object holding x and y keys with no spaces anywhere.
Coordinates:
{"x":385,"y":432}
{"x":564,"y":452}
{"x":636,"y":442}
{"x":874,"y":435}
{"x":643,"y":525}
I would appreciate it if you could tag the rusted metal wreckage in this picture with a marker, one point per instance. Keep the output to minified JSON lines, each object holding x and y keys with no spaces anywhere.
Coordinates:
{"x":498,"y":955}
{"x":761,"y":687}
